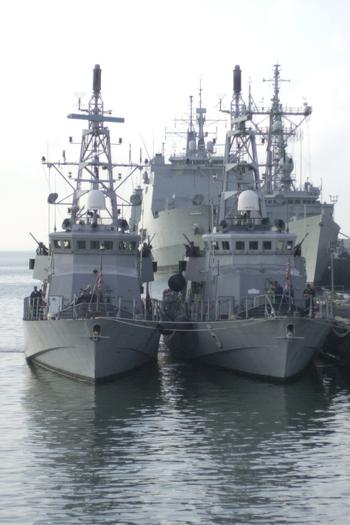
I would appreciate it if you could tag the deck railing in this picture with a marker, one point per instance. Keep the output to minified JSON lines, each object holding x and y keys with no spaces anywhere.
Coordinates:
{"x":173,"y":308}
{"x":35,"y":309}
{"x":254,"y":306}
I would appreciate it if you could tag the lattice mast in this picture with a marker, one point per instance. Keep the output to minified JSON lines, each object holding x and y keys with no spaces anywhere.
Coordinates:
{"x":95,"y":152}
{"x":279,"y":165}
{"x":241,"y":161}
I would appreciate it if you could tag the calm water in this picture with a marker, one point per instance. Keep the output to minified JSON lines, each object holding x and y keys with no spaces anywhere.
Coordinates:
{"x":169,"y":444}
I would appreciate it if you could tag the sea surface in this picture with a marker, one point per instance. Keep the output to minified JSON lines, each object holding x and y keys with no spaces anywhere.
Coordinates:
{"x":167,"y":444}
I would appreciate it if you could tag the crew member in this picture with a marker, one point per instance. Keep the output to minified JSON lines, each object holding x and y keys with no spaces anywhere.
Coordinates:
{"x":309,"y":295}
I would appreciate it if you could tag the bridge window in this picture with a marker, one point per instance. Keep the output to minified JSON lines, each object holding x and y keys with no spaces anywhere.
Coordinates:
{"x":81,"y":245}
{"x":267,"y":245}
{"x":253,"y":245}
{"x":123,"y":245}
{"x":240,"y":245}
{"x":94,"y":245}
{"x":107,"y":245}
{"x":215,"y":245}
{"x":225,"y":245}
{"x":280,"y":245}
{"x":289,"y":245}
{"x":62,"y":244}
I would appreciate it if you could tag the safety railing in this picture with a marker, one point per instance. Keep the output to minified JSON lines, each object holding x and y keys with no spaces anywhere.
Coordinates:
{"x":174,"y":308}
{"x":254,"y":306}
{"x":142,"y":309}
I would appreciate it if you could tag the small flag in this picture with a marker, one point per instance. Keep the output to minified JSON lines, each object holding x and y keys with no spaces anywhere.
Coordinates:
{"x":100,"y":281}
{"x":288,"y":276}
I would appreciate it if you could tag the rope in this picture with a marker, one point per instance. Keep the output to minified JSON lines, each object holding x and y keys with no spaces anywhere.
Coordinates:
{"x":341,"y":336}
{"x":158,"y":324}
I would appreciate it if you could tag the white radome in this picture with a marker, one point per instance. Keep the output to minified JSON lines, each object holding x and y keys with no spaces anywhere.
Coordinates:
{"x":248,"y":201}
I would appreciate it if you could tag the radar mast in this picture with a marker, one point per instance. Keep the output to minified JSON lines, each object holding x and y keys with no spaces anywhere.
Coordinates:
{"x":240,"y":161}
{"x":95,"y":152}
{"x":279,"y":165}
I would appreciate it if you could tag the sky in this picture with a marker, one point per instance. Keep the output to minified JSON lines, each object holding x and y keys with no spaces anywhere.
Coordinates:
{"x":153,"y":55}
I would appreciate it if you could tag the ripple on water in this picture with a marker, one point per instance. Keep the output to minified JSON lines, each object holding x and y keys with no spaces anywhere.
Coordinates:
{"x":173,"y":444}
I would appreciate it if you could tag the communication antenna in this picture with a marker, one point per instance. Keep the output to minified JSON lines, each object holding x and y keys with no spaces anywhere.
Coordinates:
{"x":95,"y":154}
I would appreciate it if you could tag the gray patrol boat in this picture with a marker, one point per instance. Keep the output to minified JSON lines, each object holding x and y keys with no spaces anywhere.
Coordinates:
{"x":88,"y":320}
{"x":239,"y":302}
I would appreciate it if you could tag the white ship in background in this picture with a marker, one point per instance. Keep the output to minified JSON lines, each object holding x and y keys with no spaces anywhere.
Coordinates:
{"x":180,"y":198}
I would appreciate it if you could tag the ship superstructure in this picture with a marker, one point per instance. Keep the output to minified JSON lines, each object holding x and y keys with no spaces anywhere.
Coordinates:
{"x":299,"y":207}
{"x":181,"y":196}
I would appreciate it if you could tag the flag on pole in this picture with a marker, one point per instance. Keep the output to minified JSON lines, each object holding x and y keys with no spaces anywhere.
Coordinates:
{"x":288,"y":285}
{"x":100,"y":281}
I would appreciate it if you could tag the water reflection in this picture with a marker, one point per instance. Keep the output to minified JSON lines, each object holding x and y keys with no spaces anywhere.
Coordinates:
{"x":177,"y":444}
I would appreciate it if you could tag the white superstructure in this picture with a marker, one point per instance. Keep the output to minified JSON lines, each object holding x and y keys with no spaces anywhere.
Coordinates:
{"x":180,"y":196}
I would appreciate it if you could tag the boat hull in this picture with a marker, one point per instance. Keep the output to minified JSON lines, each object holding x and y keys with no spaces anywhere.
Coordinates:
{"x":90,"y":349}
{"x":277,"y":348}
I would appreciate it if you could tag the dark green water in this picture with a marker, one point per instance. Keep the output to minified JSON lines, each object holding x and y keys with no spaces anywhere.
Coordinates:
{"x":168,"y":444}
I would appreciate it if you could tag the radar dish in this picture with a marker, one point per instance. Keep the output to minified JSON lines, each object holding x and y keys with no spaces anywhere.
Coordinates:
{"x":52,"y":198}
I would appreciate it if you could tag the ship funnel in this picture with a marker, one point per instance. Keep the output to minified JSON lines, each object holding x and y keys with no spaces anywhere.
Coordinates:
{"x":97,"y":80}
{"x":237,"y":80}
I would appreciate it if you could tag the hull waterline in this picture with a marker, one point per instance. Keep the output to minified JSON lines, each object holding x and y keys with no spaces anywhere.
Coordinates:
{"x":275,"y":348}
{"x":73,"y":348}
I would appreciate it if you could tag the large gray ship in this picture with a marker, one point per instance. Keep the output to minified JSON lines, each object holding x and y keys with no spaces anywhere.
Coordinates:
{"x":180,"y":197}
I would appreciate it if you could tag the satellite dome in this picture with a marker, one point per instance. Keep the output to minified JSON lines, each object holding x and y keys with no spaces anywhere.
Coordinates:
{"x":248,"y":200}
{"x":96,"y":200}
